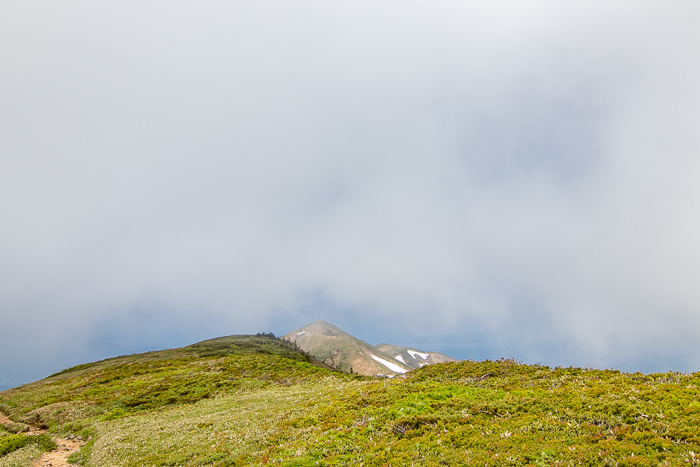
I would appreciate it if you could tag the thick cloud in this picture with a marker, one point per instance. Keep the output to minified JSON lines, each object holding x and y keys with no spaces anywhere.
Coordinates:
{"x":491,"y":180}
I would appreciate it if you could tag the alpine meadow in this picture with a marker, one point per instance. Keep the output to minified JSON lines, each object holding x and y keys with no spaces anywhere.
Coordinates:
{"x":258,"y":399}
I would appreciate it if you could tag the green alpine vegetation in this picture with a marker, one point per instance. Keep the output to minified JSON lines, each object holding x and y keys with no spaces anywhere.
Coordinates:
{"x":254,"y":400}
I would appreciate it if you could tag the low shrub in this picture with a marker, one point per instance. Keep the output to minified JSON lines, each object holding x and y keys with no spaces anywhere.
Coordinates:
{"x":15,"y":427}
{"x":12,"y":443}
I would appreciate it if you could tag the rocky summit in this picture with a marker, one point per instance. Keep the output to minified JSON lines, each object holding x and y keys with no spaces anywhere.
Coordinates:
{"x":338,"y":349}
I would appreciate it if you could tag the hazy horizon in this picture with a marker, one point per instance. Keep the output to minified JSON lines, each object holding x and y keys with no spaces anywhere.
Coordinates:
{"x":502,"y":180}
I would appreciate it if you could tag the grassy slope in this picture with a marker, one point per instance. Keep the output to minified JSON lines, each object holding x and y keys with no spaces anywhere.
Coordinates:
{"x":221,"y":346}
{"x":260,"y":408}
{"x":76,"y":399}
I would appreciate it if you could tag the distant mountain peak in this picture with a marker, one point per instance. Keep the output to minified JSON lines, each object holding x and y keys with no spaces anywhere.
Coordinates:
{"x":333,"y":346}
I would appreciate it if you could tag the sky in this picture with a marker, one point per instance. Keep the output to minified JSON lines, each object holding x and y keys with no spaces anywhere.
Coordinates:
{"x":486,"y":179}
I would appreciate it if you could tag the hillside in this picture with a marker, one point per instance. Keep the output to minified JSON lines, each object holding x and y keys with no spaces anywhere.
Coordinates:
{"x":338,"y":349}
{"x":261,"y":343}
{"x":260,"y":408}
{"x":79,"y":400}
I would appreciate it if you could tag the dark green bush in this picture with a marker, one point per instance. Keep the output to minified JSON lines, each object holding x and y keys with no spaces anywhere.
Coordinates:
{"x":12,"y":443}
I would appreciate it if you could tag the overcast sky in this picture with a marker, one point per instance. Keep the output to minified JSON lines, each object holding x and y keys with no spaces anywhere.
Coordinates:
{"x":488,"y":179}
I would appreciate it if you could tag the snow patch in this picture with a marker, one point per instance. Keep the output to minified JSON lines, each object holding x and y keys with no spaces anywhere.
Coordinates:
{"x":300,"y":333}
{"x":413,"y":354}
{"x":400,"y":358}
{"x":388,"y":364}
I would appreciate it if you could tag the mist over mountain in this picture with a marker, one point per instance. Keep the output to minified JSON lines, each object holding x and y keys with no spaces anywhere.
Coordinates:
{"x":481,"y":179}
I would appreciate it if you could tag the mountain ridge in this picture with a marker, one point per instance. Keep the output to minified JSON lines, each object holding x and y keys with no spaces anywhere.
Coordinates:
{"x":237,"y":344}
{"x":239,"y":400}
{"x":338,"y":349}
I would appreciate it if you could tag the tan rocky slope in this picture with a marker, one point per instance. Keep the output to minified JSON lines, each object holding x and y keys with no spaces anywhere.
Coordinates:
{"x":413,"y":358}
{"x":336,"y":348}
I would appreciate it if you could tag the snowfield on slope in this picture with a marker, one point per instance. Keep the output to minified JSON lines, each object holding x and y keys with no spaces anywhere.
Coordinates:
{"x":413,"y":354}
{"x":388,"y":364}
{"x":400,"y":358}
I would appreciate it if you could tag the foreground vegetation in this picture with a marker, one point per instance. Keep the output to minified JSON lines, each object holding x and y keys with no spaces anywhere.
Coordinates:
{"x":254,"y":408}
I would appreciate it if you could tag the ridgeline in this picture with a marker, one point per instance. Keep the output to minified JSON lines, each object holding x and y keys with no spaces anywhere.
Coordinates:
{"x":254,"y":400}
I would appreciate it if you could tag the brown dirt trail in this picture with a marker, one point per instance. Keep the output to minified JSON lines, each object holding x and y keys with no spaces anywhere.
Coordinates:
{"x":56,"y":458}
{"x":59,"y":457}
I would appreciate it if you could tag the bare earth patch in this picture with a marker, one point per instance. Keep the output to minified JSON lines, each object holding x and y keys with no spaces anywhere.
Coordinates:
{"x":59,"y":457}
{"x":56,"y":458}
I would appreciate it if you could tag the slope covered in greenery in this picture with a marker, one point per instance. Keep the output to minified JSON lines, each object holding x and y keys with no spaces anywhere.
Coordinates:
{"x":244,"y":344}
{"x":260,"y":408}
